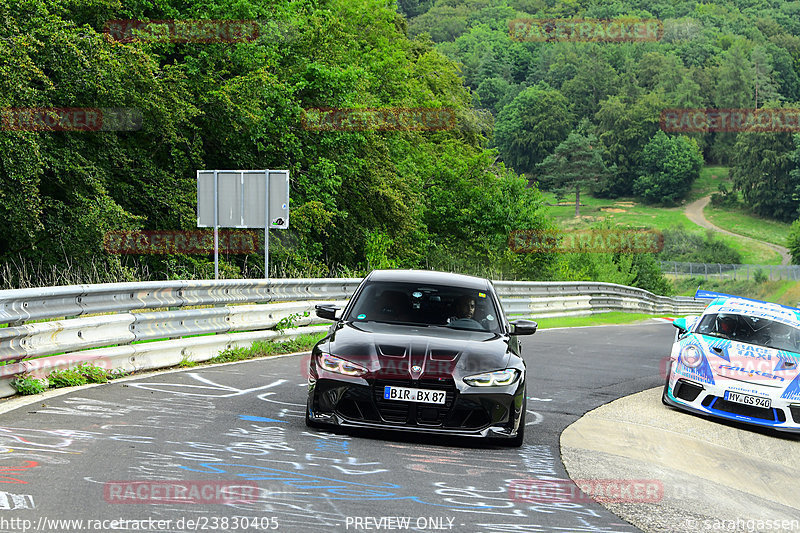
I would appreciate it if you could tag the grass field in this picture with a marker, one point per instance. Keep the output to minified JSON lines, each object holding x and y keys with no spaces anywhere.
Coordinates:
{"x":628,"y":213}
{"x":782,"y":292}
{"x":708,"y":182}
{"x":593,"y":320}
{"x":743,"y":223}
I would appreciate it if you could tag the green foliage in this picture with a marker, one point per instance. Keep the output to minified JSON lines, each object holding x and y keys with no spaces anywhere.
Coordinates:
{"x":626,"y":125}
{"x":669,"y":167}
{"x":29,"y":385}
{"x":95,"y":374}
{"x":405,"y":199}
{"x":682,"y":246}
{"x":760,"y":275}
{"x":719,"y":55}
{"x":264,"y":348}
{"x":240,"y":105}
{"x":377,"y":249}
{"x":793,"y":242}
{"x":532,"y":126}
{"x":576,"y":162}
{"x":637,"y":270}
{"x":68,"y":377}
{"x":764,"y":170}
{"x":288,"y":322}
{"x":725,"y":197}
{"x":81,"y":375}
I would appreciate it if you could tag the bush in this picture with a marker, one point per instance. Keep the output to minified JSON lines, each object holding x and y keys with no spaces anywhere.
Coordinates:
{"x":725,"y":197}
{"x":680,"y":245}
{"x":793,"y":242}
{"x":69,"y":377}
{"x":94,"y":374}
{"x":669,"y":167}
{"x":29,"y":385}
{"x":760,"y":275}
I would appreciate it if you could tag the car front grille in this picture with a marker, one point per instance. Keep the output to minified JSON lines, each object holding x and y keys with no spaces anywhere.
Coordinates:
{"x":686,"y":391}
{"x":750,"y":411}
{"x":415,"y":414}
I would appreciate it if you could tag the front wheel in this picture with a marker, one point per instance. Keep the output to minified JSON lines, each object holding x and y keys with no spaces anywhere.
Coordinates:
{"x":517,"y":441}
{"x":311,"y":423}
{"x":666,"y":386}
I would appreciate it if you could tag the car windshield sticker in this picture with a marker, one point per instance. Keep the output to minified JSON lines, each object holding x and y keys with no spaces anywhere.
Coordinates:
{"x":361,"y":316}
{"x":489,"y":317}
{"x":481,"y":295}
{"x":416,"y":294}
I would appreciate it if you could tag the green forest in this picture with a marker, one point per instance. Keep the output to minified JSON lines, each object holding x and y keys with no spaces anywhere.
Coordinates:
{"x":445,"y":199}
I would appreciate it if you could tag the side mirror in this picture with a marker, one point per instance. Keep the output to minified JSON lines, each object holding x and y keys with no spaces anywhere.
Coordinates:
{"x":524,"y":327}
{"x":686,"y":323}
{"x":326,"y":311}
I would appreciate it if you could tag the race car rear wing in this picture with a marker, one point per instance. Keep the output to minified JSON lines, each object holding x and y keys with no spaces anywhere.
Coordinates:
{"x":701,"y":294}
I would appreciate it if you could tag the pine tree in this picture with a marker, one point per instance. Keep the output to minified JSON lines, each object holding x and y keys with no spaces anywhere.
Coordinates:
{"x":576,"y":163}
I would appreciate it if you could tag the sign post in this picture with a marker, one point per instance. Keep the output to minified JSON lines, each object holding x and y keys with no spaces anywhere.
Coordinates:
{"x":242,"y":199}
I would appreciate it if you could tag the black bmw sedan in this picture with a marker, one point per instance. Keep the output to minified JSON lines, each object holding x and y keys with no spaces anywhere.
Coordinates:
{"x":421,"y":351}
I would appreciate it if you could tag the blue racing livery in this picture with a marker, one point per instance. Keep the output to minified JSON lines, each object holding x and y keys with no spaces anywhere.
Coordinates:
{"x":739,"y":360}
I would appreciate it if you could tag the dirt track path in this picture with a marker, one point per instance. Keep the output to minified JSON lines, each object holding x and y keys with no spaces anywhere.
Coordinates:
{"x":694,"y":212}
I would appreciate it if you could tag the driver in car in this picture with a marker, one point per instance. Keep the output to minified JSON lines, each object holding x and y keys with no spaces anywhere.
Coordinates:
{"x":465,"y":313}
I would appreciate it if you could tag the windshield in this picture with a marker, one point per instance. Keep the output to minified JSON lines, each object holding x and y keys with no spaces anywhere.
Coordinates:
{"x":752,"y":330}
{"x":427,"y":305}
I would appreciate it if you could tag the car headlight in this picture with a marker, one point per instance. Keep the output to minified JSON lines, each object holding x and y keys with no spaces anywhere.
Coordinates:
{"x":331,"y":363}
{"x":498,"y":378}
{"x":691,"y":356}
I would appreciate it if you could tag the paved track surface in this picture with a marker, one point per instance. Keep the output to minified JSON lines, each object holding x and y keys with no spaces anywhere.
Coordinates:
{"x":705,"y":473}
{"x":243,"y":423}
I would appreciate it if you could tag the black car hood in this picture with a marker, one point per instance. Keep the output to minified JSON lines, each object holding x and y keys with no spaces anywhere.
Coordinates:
{"x":396,"y":351}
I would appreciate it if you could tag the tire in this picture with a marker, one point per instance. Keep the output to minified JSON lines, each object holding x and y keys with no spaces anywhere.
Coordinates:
{"x":517,"y":441}
{"x":311,"y":423}
{"x":666,"y":387}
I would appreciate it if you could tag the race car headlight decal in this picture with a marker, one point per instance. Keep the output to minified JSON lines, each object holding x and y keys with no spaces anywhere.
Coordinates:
{"x":691,"y":356}
{"x":331,"y":363}
{"x":498,"y":378}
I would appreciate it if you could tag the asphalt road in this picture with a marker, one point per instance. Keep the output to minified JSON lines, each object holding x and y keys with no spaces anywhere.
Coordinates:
{"x":102,"y":454}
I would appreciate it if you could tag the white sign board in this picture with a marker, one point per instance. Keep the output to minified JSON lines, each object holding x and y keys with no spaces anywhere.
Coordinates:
{"x":242,"y":197}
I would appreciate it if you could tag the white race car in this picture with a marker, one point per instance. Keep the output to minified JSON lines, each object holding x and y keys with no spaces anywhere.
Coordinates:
{"x":739,"y":360}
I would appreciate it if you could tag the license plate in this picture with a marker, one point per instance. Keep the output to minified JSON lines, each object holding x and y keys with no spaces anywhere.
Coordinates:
{"x":414,"y":395}
{"x":748,"y":400}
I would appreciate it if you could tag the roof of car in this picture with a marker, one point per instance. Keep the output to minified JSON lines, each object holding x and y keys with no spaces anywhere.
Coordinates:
{"x":727,"y":303}
{"x":430,"y":276}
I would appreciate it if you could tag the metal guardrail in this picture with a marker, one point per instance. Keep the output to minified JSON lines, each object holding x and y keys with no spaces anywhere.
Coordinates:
{"x":79,"y":331}
{"x":729,"y":271}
